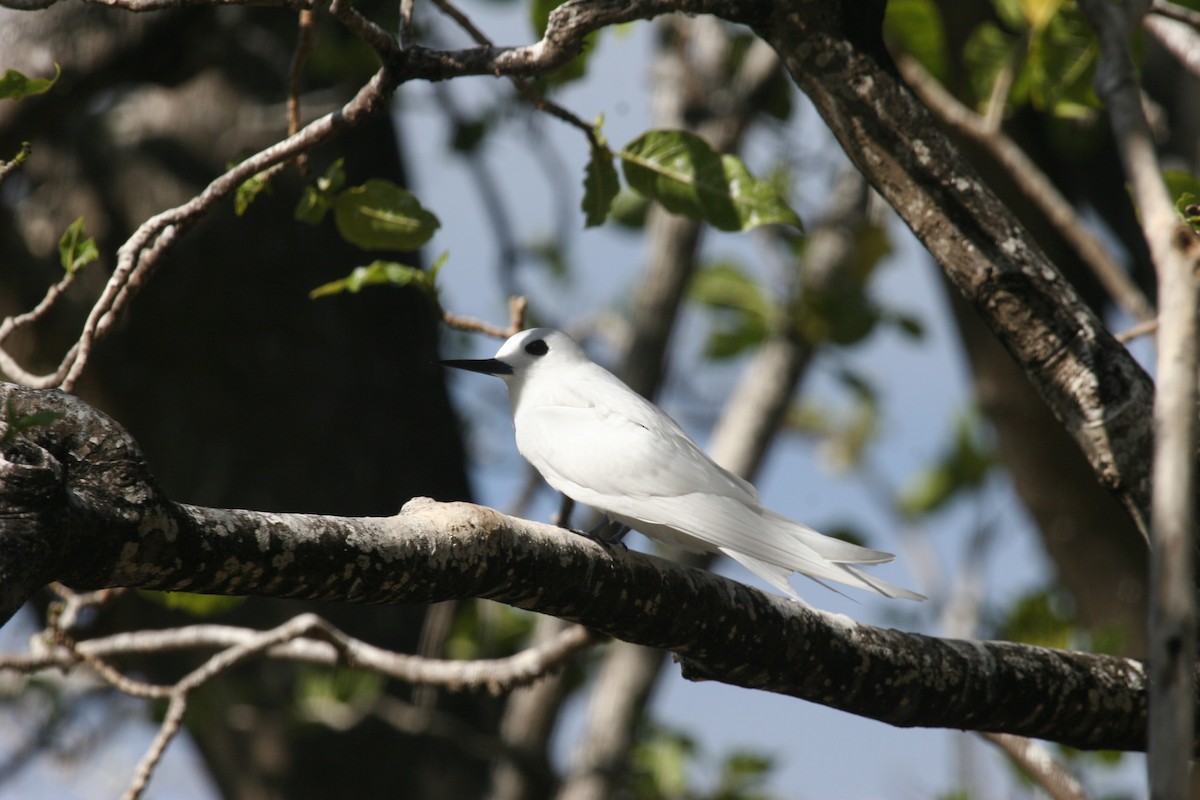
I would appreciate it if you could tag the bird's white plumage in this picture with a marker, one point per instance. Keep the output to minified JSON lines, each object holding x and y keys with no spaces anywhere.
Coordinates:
{"x":600,"y":443}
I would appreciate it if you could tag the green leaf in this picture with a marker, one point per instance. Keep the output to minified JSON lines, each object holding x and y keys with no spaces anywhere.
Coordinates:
{"x":916,"y":25}
{"x":14,"y":85}
{"x":249,"y":190}
{"x":380,"y":273}
{"x":600,"y":186}
{"x":379,"y":215}
{"x":197,"y":605}
{"x":74,"y":250}
{"x":685,"y":175}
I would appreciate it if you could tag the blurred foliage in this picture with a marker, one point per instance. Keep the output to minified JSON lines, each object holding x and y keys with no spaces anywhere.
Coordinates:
{"x":197,"y":605}
{"x":844,"y":433}
{"x":483,"y":629}
{"x":837,"y":311}
{"x":338,"y":698}
{"x":961,"y":467}
{"x":1184,"y":188}
{"x":1045,"y":48}
{"x":1047,"y":617}
{"x":665,"y":765}
{"x":916,"y":27}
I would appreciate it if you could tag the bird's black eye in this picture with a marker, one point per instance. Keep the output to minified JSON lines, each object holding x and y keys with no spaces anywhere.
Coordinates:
{"x":537,"y":347}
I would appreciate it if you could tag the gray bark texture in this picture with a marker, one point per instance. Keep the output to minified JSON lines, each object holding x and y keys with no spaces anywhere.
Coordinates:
{"x":81,"y":506}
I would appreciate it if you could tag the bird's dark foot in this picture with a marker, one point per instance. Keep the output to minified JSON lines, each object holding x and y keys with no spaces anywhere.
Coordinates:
{"x":607,"y":534}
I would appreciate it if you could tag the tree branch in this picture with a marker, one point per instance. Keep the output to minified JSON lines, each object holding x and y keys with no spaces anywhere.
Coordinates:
{"x":1175,"y":250}
{"x":77,"y":503}
{"x":1102,"y":397}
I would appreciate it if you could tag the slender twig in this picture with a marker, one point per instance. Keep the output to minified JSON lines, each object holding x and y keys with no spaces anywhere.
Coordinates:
{"x":1033,"y":183}
{"x":524,"y":89}
{"x":997,"y":102}
{"x":375,"y":35}
{"x":312,"y":640}
{"x":1040,"y":765}
{"x":8,"y":167}
{"x":1133,"y":332}
{"x":304,"y":42}
{"x":516,"y":320}
{"x":1175,"y":251}
{"x":472,"y":325}
{"x":517,"y":306}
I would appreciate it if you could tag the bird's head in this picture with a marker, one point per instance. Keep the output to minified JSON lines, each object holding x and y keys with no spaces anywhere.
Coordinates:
{"x":524,"y":354}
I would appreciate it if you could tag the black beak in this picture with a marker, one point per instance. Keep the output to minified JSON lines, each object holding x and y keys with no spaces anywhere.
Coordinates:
{"x":488,"y":366}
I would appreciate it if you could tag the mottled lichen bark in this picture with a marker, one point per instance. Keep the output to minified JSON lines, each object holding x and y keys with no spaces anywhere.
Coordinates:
{"x":79,"y":490}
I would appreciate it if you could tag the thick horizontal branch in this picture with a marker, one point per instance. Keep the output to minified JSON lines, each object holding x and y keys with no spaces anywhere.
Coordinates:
{"x":78,"y":504}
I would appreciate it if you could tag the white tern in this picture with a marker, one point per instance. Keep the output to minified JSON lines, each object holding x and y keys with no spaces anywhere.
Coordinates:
{"x":602,"y":444}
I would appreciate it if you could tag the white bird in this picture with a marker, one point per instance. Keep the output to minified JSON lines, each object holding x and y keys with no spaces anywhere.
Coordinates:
{"x":602,"y":444}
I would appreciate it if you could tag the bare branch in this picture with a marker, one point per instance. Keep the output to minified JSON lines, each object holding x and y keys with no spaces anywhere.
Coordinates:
{"x":1133,"y":332}
{"x":1040,"y":765}
{"x":1175,"y":250}
{"x":304,"y":42}
{"x":312,"y":641}
{"x":10,"y":166}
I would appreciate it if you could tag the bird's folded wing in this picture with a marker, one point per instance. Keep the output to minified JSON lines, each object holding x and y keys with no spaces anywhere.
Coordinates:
{"x":614,"y":454}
